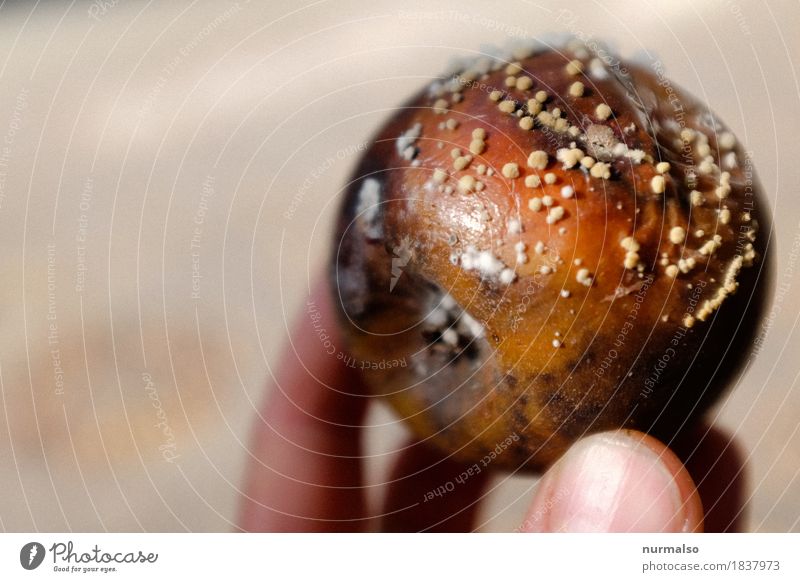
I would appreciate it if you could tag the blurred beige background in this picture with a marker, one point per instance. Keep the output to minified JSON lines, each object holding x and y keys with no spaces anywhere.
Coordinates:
{"x":168,"y":173}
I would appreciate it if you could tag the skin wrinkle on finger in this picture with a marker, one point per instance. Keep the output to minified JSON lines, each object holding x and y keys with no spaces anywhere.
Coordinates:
{"x":687,"y":500}
{"x":659,"y":466}
{"x":602,"y":494}
{"x":670,"y":489}
{"x":610,"y":486}
{"x":620,"y":481}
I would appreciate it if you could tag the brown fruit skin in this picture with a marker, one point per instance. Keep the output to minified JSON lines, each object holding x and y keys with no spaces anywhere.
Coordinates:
{"x":619,"y":363}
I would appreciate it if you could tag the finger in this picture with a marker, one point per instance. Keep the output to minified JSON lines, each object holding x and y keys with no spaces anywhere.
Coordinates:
{"x":430,"y":492}
{"x":619,"y":481}
{"x":716,"y":463}
{"x":304,"y":473}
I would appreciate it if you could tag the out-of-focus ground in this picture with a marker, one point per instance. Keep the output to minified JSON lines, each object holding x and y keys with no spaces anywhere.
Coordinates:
{"x":168,"y":174}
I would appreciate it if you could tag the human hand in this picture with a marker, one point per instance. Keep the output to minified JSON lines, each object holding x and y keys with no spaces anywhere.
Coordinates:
{"x":305,"y":471}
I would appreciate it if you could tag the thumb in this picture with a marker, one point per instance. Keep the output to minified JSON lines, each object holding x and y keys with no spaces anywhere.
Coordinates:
{"x":619,"y":481}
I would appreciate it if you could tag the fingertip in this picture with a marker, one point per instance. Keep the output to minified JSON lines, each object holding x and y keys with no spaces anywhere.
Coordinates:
{"x":618,"y":481}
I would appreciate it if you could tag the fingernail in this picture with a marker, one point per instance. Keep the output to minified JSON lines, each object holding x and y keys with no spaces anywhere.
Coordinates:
{"x":613,"y":482}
